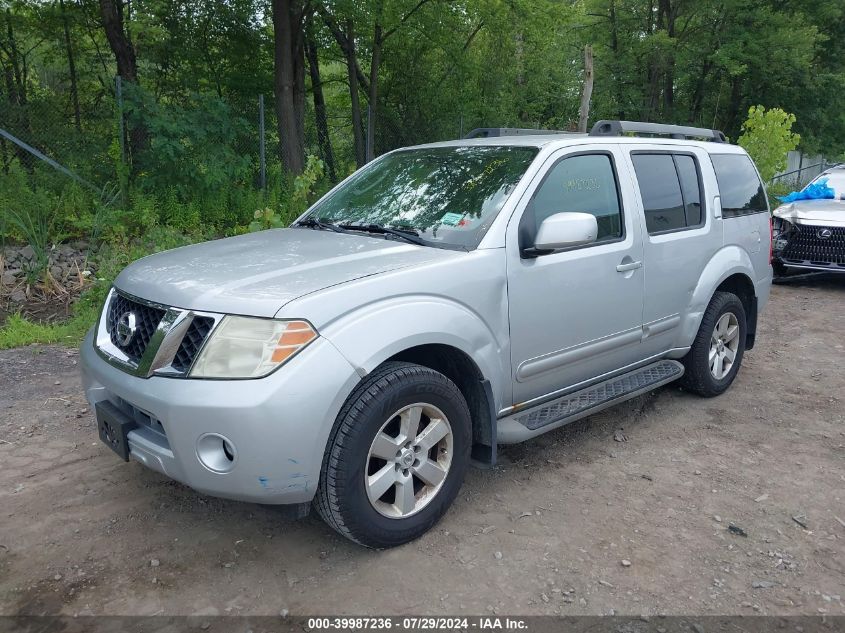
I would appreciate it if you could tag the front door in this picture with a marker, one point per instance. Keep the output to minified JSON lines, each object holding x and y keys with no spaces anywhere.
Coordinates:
{"x":575,"y":314}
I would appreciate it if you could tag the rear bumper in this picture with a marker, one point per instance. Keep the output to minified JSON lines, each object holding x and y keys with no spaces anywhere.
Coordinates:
{"x":277,"y":426}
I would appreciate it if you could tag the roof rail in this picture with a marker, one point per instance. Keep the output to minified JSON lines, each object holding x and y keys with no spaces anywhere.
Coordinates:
{"x":619,"y":128}
{"x":487,"y":132}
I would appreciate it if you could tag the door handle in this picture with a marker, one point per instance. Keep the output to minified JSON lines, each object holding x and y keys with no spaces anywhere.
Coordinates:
{"x":621,"y":268}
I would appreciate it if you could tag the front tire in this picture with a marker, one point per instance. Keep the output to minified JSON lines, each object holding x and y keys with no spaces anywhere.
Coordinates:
{"x":716,"y":354}
{"x":396,"y":456}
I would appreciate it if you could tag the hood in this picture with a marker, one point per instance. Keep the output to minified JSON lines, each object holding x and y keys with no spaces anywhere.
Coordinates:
{"x":813,"y":212}
{"x":256,"y":274}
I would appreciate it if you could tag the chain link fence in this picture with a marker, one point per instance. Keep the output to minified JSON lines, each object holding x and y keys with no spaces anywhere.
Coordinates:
{"x":187,"y":145}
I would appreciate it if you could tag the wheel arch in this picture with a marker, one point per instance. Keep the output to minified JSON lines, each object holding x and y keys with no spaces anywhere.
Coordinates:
{"x":461,"y":369}
{"x":729,"y":270}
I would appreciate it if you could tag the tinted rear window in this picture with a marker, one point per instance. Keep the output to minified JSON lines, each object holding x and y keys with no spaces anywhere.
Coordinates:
{"x":688,"y":175}
{"x":661,"y":192}
{"x":739,"y":185}
{"x":670,"y":190}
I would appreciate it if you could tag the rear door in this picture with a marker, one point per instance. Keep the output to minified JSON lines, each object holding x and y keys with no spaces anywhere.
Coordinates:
{"x":674,"y":193}
{"x":576,"y":313}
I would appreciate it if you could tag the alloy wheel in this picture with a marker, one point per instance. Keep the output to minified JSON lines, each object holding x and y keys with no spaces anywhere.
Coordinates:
{"x":408,"y":460}
{"x":724,"y":344}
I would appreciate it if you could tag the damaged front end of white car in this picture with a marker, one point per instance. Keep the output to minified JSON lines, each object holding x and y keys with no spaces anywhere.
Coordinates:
{"x":809,"y":235}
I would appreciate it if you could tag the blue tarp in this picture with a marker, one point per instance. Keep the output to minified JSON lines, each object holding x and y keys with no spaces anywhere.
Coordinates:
{"x":814,"y":191}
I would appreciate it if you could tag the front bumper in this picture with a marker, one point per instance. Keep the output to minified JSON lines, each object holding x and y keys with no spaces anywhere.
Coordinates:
{"x":277,"y":427}
{"x":809,"y":246}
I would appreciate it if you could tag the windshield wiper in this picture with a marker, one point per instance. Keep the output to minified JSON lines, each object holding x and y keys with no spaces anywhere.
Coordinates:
{"x":316,"y":223}
{"x":409,"y":235}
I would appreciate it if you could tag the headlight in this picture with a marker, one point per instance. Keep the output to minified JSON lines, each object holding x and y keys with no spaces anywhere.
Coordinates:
{"x":246,"y":347}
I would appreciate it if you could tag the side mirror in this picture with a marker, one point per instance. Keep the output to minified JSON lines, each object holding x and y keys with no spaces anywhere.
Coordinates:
{"x":564,"y":230}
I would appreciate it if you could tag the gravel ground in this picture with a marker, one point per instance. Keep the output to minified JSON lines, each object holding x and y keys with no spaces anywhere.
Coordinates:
{"x":576,"y":522}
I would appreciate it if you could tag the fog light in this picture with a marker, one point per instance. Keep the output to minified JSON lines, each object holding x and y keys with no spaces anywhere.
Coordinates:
{"x":216,"y":452}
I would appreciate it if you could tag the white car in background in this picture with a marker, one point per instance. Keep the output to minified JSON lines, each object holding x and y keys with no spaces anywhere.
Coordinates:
{"x":810,"y":234}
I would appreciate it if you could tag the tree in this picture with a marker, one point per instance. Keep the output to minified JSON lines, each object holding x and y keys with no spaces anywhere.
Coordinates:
{"x":767,"y":137}
{"x":289,"y":81}
{"x":384,"y":20}
{"x":114,"y":25}
{"x":121,"y":45}
{"x":320,"y":114}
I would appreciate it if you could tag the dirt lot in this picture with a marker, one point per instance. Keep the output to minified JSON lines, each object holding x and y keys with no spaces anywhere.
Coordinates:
{"x":573,"y":523}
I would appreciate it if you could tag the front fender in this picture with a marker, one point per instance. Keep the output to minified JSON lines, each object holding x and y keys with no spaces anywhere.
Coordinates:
{"x":728,"y":261}
{"x":372,"y":334}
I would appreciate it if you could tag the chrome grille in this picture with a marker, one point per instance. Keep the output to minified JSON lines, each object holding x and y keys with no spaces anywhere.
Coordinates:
{"x":191,"y":344}
{"x":165,"y":342}
{"x":805,"y":246}
{"x":147,"y":319}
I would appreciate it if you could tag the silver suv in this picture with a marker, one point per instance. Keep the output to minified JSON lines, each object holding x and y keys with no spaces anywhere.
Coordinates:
{"x":442,"y":300}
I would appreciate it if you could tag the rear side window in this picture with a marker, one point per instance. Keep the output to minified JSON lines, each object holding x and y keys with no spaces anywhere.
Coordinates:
{"x":740,"y":188}
{"x":670,"y":188}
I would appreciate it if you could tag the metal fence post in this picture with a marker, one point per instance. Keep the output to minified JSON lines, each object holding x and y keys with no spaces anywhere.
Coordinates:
{"x":261,"y":148}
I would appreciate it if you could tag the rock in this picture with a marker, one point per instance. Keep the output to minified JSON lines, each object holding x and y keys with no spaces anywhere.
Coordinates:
{"x":717,"y":518}
{"x":27,"y":253}
{"x":735,"y":529}
{"x":284,"y":613}
{"x":763,"y":584}
{"x":155,"y":562}
{"x":619,"y":436}
{"x":18,"y":296}
{"x":626,"y":563}
{"x":57,"y":577}
{"x":497,"y":555}
{"x":8,"y":279}
{"x":544,"y":597}
{"x":762,"y":498}
{"x":58,"y":272}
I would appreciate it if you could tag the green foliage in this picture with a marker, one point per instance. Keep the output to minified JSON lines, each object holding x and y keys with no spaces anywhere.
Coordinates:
{"x":775,"y":190}
{"x":767,"y":137}
{"x":265,"y":218}
{"x":18,"y":331}
{"x":303,"y":192}
{"x":193,"y":145}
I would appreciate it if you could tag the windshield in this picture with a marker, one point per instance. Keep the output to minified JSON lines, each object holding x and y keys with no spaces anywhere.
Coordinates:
{"x":835,"y":180}
{"x":448,"y":195}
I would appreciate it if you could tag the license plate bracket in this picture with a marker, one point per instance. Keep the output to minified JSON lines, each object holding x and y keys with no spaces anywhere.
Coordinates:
{"x":113,"y":425}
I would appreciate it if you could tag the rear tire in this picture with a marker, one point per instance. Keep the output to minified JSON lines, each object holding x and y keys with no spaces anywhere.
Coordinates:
{"x":396,"y":456}
{"x":716,"y":354}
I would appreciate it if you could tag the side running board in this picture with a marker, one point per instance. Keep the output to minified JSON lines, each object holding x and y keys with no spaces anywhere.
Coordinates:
{"x":550,"y":415}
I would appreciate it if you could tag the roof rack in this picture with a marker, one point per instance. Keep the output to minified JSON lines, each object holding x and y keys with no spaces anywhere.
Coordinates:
{"x":487,"y":132}
{"x":619,"y":128}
